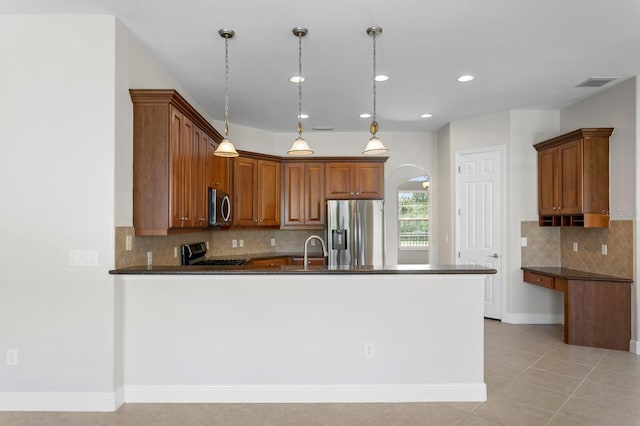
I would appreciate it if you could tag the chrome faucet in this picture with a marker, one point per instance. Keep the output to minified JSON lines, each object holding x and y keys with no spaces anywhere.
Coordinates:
{"x":306,"y":243}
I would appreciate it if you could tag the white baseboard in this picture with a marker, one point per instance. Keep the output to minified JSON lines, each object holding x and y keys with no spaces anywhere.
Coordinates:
{"x":61,"y":401}
{"x":634,"y":346}
{"x":307,"y":393}
{"x":533,"y":318}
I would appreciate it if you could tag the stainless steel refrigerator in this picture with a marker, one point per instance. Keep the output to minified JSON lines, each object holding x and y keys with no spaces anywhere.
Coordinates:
{"x":355,"y":232}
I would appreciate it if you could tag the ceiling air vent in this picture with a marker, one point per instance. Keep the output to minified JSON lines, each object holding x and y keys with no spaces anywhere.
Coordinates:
{"x":323,"y":128}
{"x":596,"y":81}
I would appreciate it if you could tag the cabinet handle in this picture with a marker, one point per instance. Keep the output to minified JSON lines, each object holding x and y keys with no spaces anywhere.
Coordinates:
{"x":202,"y":219}
{"x":539,"y":280}
{"x":184,"y":218}
{"x":357,"y":194}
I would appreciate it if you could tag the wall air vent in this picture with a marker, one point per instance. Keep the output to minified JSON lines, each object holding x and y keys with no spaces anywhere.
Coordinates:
{"x":596,"y":81}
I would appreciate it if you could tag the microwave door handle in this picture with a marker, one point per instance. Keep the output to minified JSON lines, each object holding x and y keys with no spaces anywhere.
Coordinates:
{"x":225,"y":208}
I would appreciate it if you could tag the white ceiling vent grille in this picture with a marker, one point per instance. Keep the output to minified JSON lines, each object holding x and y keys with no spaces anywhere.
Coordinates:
{"x":596,"y":81}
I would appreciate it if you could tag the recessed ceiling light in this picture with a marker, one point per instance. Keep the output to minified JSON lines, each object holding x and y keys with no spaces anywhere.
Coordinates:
{"x":365,"y":115}
{"x":296,"y":79}
{"x":381,"y":77}
{"x":465,"y":78}
{"x":426,"y":115}
{"x":303,"y":116}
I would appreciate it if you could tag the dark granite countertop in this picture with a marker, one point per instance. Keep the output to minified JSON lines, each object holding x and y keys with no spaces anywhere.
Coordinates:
{"x":270,"y":255}
{"x":300,"y":270}
{"x":573,"y":274}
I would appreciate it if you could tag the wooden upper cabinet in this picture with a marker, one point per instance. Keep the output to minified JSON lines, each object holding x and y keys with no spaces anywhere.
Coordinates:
{"x":573,"y":179}
{"x":245,"y":179}
{"x":219,"y":171}
{"x":170,"y":145}
{"x":268,"y":191}
{"x":256,"y":191}
{"x":303,"y":195}
{"x":354,"y":180}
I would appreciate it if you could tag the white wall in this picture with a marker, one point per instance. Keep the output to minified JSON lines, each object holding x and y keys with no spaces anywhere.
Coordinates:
{"x":616,"y":107}
{"x":291,"y":338}
{"x":517,"y":131}
{"x":57,"y":179}
{"x":525,"y":302}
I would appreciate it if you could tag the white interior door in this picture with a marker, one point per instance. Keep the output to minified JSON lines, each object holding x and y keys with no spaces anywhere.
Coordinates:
{"x":479,"y":192}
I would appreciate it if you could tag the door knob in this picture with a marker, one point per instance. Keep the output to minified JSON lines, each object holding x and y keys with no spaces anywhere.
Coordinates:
{"x":494,"y":255}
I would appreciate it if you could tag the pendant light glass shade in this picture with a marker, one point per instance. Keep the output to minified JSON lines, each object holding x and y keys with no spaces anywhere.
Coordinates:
{"x":226,"y":148}
{"x":300,"y":146}
{"x":375,"y":145}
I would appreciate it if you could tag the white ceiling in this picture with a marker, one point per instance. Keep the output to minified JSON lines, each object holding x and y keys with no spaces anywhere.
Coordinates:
{"x":525,"y":54}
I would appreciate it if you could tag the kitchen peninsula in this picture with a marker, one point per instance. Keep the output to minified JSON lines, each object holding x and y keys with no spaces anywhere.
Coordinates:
{"x":290,"y":334}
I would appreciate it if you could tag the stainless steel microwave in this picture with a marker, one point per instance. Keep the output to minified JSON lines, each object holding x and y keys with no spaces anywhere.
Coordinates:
{"x":219,"y":208}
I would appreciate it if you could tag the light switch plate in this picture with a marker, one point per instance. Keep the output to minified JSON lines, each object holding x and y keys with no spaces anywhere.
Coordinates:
{"x":81,"y":258}
{"x":523,"y":242}
{"x":575,"y":246}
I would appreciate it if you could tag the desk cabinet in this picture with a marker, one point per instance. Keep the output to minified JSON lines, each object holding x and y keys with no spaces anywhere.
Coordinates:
{"x":597,"y":308}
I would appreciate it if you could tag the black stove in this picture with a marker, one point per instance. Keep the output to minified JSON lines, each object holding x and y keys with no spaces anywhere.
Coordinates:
{"x":194,"y":254}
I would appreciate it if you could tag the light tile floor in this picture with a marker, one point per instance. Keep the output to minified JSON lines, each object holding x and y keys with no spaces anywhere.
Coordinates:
{"x":532,"y":377}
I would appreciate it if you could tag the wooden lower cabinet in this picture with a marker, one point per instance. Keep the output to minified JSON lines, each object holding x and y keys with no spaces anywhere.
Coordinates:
{"x":318,"y":261}
{"x":272,"y":261}
{"x":597,"y":312}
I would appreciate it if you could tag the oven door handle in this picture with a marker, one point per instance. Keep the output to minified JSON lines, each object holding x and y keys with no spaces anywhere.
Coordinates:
{"x":225,"y":208}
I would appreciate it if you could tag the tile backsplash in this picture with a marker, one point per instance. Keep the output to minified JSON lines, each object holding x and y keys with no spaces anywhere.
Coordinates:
{"x":255,"y":241}
{"x":550,"y":246}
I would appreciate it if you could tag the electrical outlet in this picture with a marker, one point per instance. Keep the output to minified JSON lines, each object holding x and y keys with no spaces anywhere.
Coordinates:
{"x":12,"y":357}
{"x":369,"y":350}
{"x":605,"y":250}
{"x":575,"y":246}
{"x":207,"y":243}
{"x":273,"y":242}
{"x":234,"y":243}
{"x":313,"y":242}
{"x":523,"y":242}
{"x":241,"y":243}
{"x":149,"y":258}
{"x":128,"y":243}
{"x":175,"y":252}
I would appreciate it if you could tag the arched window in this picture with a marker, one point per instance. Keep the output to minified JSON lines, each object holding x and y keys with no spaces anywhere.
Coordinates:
{"x":414,"y":214}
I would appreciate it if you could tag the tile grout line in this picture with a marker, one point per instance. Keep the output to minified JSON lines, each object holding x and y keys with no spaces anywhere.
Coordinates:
{"x":577,"y":387}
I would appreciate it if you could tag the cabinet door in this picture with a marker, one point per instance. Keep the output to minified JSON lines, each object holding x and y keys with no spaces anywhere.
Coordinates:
{"x":198,"y":190}
{"x":339,"y":181}
{"x":268,"y":192}
{"x":294,"y":194}
{"x":315,"y":208}
{"x":180,"y":145}
{"x":548,"y":181}
{"x":244,"y":197}
{"x":570,"y":155}
{"x":219,"y":174}
{"x":369,"y":180}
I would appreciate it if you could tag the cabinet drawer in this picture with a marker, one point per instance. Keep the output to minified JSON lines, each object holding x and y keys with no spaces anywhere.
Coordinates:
{"x":537,"y":279}
{"x":310,"y":261}
{"x":273,"y":261}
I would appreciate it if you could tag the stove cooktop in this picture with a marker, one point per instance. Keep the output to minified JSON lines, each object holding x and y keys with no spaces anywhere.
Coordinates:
{"x":194,"y":254}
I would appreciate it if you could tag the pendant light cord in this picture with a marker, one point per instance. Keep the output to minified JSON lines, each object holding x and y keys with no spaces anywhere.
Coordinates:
{"x":226,"y":87}
{"x":300,"y":84}
{"x":374,"y":76}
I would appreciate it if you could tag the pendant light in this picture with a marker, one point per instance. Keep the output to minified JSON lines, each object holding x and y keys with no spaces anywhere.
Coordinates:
{"x":374,"y":146}
{"x":300,"y":146}
{"x":226,"y":148}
